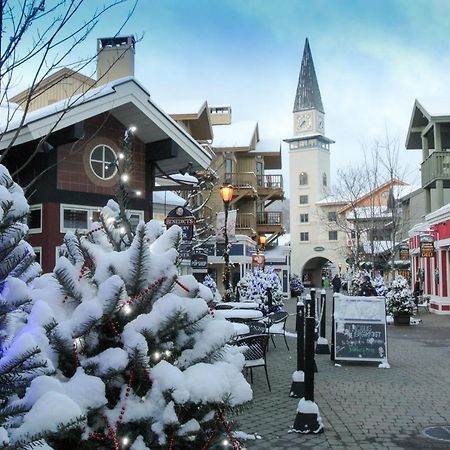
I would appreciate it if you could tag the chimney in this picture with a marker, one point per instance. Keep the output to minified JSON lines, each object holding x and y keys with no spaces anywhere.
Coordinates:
{"x":115,"y":58}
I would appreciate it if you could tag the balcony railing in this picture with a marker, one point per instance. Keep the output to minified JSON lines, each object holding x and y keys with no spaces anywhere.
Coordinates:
{"x":246,"y":221}
{"x":269,"y":218}
{"x":245,"y":180}
{"x":435,"y":167}
{"x":270,"y":181}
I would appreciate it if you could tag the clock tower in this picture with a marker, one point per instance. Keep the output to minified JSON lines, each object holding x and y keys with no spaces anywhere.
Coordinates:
{"x":309,"y":176}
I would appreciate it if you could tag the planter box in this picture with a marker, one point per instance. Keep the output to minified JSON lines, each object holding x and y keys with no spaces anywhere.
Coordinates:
{"x":401,"y":318}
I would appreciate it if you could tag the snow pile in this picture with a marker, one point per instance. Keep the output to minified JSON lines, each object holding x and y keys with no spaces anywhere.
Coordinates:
{"x":298,"y":376}
{"x":349,"y":307}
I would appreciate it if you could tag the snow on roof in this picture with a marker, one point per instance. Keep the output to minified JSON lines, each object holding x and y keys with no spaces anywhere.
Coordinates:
{"x":418,"y":228}
{"x":237,"y":134}
{"x":331,"y":199}
{"x":267,"y":146}
{"x":9,"y":112}
{"x":168,"y":198}
{"x":403,"y":191}
{"x":276,"y":254}
{"x":185,"y":178}
{"x":436,"y":105}
{"x":379,"y":247}
{"x":439,"y":215}
{"x":183,"y":107}
{"x":71,"y":101}
{"x":368,"y":212}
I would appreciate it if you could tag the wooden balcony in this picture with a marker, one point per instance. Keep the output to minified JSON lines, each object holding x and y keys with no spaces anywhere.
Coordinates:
{"x":436,"y":167}
{"x":246,"y":224}
{"x":244,"y":185}
{"x":269,"y":222}
{"x":270,"y":187}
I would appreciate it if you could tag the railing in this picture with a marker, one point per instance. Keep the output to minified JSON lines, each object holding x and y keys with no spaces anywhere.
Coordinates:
{"x":270,"y":181}
{"x":435,"y":167}
{"x":246,"y":221}
{"x":245,"y":180}
{"x":269,"y":218}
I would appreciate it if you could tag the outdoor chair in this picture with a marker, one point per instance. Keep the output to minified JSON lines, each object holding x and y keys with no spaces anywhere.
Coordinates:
{"x":255,"y":353}
{"x":422,"y":301}
{"x":277,"y":326}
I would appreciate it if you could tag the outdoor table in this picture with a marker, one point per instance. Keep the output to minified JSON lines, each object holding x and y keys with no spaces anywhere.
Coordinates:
{"x":239,"y":313}
{"x":240,"y":328}
{"x":240,"y":305}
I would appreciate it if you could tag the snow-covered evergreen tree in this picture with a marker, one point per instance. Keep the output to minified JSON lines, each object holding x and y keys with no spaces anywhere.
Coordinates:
{"x":209,"y":282}
{"x":399,"y":297}
{"x":21,"y":358}
{"x":361,"y":284}
{"x":256,"y":285}
{"x":378,"y":284}
{"x":136,"y":352}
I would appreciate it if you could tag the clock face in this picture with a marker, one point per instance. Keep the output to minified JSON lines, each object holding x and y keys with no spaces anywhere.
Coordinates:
{"x":320,"y":124}
{"x":304,"y":122}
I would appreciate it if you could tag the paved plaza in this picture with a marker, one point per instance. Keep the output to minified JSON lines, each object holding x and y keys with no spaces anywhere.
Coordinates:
{"x":362,"y":406}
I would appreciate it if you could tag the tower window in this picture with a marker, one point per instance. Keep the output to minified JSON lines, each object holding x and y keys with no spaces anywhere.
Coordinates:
{"x":304,"y":218}
{"x":332,"y":216}
{"x":303,"y":199}
{"x":303,"y":179}
{"x":103,"y":162}
{"x":324,"y":179}
{"x":304,"y":236}
{"x":332,"y":235}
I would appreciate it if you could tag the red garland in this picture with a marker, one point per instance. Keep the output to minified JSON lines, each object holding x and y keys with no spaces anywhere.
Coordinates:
{"x":233,"y":440}
{"x":157,"y":283}
{"x":114,"y":328}
{"x":211,"y":437}
{"x":94,"y":230}
{"x":112,"y":434}
{"x":127,"y":394}
{"x":182,"y":285}
{"x":172,"y":440}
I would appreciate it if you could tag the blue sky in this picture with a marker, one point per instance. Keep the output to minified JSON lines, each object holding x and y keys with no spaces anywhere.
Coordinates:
{"x":372,"y":59}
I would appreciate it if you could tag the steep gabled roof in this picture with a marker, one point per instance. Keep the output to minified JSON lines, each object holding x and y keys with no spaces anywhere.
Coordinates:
{"x":308,"y":93}
{"x":382,"y":187}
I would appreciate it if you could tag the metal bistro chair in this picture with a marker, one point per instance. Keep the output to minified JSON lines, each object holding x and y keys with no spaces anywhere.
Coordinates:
{"x":277,"y":326}
{"x":422,"y":301}
{"x":255,"y":353}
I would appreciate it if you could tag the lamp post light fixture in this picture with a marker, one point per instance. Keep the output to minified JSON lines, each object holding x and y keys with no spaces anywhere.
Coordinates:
{"x":262,"y":239}
{"x":226,"y":193}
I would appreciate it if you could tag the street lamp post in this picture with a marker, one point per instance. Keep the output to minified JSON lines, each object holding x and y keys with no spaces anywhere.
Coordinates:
{"x":226,"y":193}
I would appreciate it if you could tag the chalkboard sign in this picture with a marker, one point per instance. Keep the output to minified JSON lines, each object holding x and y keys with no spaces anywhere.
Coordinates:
{"x":359,"y":328}
{"x":360,"y":341}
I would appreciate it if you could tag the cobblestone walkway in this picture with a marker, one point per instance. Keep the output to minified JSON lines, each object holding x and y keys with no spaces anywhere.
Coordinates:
{"x":362,"y":406}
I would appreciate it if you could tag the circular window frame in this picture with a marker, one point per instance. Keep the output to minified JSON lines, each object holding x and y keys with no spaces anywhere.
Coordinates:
{"x":102,"y":162}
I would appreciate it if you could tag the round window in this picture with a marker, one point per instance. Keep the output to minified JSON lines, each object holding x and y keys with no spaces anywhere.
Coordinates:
{"x":103,"y":162}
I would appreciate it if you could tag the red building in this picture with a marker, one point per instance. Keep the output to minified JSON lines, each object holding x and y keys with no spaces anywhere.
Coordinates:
{"x":429,"y":245}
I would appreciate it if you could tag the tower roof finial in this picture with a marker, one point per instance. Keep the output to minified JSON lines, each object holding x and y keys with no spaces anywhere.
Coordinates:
{"x":308,"y":93}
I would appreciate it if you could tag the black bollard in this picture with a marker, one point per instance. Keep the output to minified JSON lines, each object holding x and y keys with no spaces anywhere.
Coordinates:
{"x":322,"y":343}
{"x":332,"y":330}
{"x":269,"y":299}
{"x":298,"y":377}
{"x":308,"y":419}
{"x":311,"y":301}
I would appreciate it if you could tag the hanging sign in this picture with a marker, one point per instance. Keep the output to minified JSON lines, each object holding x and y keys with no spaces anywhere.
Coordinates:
{"x":403,"y":251}
{"x":183,"y":218}
{"x":426,"y":246}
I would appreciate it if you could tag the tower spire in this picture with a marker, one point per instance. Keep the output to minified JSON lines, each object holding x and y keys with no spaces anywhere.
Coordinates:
{"x":308,"y":93}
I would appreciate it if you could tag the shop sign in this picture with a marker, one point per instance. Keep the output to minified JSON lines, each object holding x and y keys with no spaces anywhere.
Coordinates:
{"x":403,"y":252}
{"x":426,"y":246}
{"x":199,"y":262}
{"x":258,"y":261}
{"x":183,"y":218}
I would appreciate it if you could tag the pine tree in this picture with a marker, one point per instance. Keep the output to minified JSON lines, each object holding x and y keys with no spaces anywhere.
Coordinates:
{"x":21,"y":358}
{"x":257,"y":285}
{"x":138,"y":340}
{"x":399,"y":297}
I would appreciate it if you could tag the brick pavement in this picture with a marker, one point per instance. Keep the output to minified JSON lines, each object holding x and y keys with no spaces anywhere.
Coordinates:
{"x":362,"y":406}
